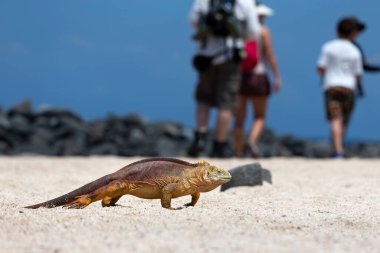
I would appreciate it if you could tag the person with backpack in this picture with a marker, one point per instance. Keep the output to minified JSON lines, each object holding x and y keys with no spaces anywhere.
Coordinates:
{"x":221,"y":27}
{"x":340,"y":65}
{"x":255,"y":88}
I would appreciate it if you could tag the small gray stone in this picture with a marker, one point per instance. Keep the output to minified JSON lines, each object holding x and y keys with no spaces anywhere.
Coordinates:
{"x":248,"y":175}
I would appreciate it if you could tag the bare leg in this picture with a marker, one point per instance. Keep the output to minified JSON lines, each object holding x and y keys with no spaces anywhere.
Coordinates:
{"x":256,"y":130}
{"x":260,"y":107}
{"x":223,"y":124}
{"x":239,"y":127}
{"x":337,"y":133}
{"x":202,"y":117}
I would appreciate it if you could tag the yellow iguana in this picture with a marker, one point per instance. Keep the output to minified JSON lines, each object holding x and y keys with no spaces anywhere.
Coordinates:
{"x":155,"y":178}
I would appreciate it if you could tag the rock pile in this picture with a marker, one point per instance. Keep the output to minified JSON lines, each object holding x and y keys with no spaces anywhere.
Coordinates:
{"x":61,"y":132}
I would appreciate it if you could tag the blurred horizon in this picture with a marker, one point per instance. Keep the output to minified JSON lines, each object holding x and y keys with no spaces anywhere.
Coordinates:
{"x":121,"y":57}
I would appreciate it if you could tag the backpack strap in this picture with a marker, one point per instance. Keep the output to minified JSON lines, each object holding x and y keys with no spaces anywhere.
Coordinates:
{"x":212,"y":3}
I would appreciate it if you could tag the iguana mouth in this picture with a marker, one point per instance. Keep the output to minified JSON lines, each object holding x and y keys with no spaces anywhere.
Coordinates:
{"x":221,"y":178}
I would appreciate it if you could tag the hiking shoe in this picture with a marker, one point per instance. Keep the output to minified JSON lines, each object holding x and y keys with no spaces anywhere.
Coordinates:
{"x":220,"y":150}
{"x":198,"y":145}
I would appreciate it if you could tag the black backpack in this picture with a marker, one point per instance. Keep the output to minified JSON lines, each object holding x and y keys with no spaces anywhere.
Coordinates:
{"x":220,"y":21}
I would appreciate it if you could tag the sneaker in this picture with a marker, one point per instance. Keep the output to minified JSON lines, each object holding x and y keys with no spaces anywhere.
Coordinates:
{"x":198,"y":145}
{"x":338,"y":156}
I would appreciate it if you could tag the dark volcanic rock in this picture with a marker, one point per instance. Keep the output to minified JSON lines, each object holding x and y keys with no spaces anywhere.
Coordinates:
{"x":61,"y":132}
{"x":30,"y":149}
{"x":248,"y":175}
{"x":365,"y":150}
{"x":296,"y":147}
{"x":134,"y":120}
{"x":24,"y":108}
{"x":103,"y":149}
{"x":320,"y":149}
{"x":59,"y":113}
{"x":4,"y":122}
{"x":20,"y":124}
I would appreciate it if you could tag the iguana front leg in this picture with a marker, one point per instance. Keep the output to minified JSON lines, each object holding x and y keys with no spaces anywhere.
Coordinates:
{"x":167,"y":193}
{"x":110,"y":193}
{"x":194,"y":199}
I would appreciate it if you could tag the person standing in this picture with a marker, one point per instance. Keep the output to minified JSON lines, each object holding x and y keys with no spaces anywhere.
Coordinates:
{"x":340,"y":65}
{"x":218,"y":82}
{"x":255,"y":88}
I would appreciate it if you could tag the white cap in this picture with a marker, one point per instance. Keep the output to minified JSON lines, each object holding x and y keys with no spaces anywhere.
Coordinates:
{"x":263,"y":10}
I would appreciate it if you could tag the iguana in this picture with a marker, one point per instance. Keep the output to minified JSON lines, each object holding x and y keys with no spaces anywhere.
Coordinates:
{"x":154,"y":178}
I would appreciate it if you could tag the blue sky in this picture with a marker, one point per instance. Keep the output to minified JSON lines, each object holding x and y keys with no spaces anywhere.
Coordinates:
{"x":97,"y":57}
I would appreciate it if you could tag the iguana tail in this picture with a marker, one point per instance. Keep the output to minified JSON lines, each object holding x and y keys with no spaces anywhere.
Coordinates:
{"x":71,"y":196}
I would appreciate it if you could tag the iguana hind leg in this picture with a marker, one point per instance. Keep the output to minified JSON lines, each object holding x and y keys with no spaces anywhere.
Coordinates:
{"x":166,"y":198}
{"x":108,"y":201}
{"x":112,"y":191}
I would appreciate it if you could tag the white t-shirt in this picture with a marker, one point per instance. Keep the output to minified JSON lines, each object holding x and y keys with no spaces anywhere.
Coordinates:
{"x":342,"y":62}
{"x":245,"y":10}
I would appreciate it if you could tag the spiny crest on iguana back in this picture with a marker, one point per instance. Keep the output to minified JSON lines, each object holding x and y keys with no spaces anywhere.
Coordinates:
{"x":162,"y":159}
{"x":201,"y":164}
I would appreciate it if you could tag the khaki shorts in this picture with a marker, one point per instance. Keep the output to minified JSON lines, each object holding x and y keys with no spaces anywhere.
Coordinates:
{"x":219,"y":85}
{"x":340,"y":103}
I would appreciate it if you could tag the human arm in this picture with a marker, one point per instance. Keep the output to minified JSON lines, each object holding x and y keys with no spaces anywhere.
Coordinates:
{"x":321,"y":71}
{"x":358,"y":70}
{"x":270,"y":56}
{"x":368,"y":67}
{"x":322,"y":61}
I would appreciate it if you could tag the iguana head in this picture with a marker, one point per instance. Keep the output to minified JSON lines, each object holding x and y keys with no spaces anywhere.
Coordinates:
{"x":213,"y":176}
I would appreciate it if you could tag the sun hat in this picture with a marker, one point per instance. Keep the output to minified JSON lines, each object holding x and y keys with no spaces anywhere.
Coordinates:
{"x":263,"y":10}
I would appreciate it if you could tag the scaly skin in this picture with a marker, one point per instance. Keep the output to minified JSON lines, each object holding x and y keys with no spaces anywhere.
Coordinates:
{"x":155,"y":178}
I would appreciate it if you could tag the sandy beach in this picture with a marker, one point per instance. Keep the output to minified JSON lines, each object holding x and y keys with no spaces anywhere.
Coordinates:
{"x":312,"y":206}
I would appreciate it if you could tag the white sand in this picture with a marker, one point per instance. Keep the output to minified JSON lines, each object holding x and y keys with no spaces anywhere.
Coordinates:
{"x":312,"y":206}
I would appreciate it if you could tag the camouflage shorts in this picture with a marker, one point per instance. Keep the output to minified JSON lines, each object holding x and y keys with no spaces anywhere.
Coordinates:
{"x":340,"y":103}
